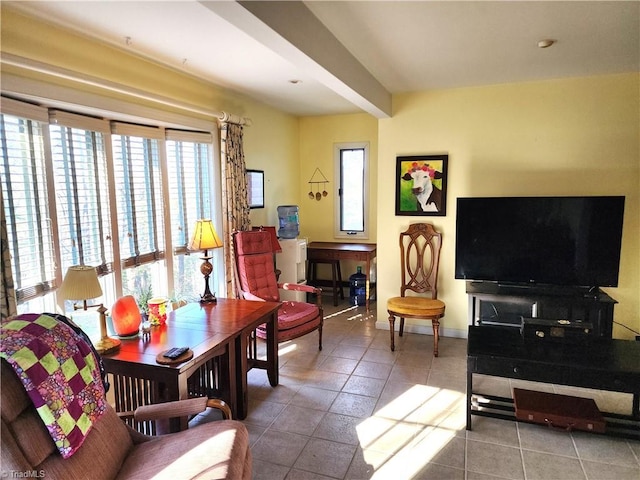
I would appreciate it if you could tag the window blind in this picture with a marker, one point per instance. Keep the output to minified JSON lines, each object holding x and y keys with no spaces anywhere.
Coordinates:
{"x":138,"y":193}
{"x":26,"y":203}
{"x":70,"y":181}
{"x":80,"y":172}
{"x":190,"y":172}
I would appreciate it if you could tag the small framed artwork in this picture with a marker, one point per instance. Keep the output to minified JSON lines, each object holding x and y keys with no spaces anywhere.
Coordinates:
{"x":421,"y":185}
{"x":255,"y":188}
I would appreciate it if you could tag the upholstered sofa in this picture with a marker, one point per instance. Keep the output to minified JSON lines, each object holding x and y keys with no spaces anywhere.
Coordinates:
{"x":112,"y":450}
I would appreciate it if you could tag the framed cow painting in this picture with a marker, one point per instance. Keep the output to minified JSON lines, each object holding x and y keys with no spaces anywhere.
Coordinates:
{"x":421,"y":185}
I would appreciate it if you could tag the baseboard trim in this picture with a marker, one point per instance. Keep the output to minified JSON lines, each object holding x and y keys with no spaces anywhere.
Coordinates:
{"x":423,"y":329}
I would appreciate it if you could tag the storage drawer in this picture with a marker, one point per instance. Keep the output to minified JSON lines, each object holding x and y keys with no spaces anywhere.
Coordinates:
{"x":314,"y":254}
{"x":616,"y":382}
{"x":535,"y":372}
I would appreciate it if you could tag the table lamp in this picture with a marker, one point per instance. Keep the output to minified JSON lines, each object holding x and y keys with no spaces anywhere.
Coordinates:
{"x":81,"y":283}
{"x":205,"y":238}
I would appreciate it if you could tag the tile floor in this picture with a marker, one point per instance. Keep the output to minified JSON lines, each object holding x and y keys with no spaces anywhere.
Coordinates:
{"x":356,"y":410}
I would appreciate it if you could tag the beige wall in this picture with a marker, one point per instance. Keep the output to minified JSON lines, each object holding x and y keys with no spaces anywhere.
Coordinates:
{"x":564,"y":137}
{"x":271,"y":143}
{"x":318,"y":135}
{"x":317,"y":138}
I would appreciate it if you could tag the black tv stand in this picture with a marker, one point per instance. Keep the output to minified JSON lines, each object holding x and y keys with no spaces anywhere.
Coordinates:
{"x":493,"y":303}
{"x":602,"y":364}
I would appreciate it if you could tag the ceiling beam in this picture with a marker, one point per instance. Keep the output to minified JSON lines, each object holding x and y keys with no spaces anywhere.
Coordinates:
{"x":291,"y":30}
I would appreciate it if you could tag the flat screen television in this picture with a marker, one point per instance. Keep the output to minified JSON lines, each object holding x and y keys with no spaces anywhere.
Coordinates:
{"x":568,"y":241}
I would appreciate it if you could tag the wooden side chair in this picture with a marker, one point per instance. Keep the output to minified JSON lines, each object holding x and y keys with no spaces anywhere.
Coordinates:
{"x":419,"y":257}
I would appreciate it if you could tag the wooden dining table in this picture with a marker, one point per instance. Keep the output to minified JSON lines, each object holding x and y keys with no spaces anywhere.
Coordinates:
{"x":218,"y":335}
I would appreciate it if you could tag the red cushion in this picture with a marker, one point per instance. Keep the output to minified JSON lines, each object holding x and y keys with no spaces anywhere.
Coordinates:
{"x":284,"y":335}
{"x":293,"y":315}
{"x":256,"y":272}
{"x":257,"y":276}
{"x":252,"y":242}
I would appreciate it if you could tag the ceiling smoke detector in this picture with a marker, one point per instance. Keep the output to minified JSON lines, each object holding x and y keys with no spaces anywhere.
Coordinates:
{"x":546,"y":43}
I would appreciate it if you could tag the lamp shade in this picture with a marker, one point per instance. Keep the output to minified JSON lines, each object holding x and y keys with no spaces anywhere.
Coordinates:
{"x":125,"y":316}
{"x":204,"y":236}
{"x":80,"y":283}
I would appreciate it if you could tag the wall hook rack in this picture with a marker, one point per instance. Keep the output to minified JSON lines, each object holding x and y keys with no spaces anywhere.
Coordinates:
{"x":315,"y":180}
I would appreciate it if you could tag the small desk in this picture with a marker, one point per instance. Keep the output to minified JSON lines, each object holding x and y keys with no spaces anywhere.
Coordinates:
{"x":218,"y":334}
{"x":319,"y":251}
{"x":599,"y":363}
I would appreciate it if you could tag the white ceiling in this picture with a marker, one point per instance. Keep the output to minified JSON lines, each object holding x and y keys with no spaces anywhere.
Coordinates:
{"x":350,"y":56}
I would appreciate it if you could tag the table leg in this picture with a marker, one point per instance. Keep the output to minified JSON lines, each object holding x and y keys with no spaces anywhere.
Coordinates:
{"x":334,"y":282}
{"x":469,"y":390}
{"x":181,"y":423}
{"x":367,"y":291}
{"x":229,"y":366}
{"x":241,"y":365}
{"x":272,"y":350}
{"x":340,"y":280}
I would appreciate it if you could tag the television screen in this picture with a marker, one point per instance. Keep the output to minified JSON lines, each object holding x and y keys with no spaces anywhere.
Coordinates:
{"x":571,"y":241}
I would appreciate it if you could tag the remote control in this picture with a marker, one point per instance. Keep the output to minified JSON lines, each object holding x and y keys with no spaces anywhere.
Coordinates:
{"x":175,"y":352}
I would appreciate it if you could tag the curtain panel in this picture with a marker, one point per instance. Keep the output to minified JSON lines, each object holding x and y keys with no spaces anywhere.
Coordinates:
{"x":235,"y":202}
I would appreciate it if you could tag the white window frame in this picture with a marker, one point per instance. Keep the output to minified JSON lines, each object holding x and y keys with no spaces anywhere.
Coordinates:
{"x":112,"y":284}
{"x":337,"y":155}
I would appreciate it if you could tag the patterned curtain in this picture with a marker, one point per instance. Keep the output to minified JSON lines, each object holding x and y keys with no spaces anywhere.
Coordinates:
{"x":235,"y":203}
{"x":8,"y":305}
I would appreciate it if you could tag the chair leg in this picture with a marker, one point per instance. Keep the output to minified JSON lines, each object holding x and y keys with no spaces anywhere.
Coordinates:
{"x":401,"y":332}
{"x":436,"y":335}
{"x":392,"y":322}
{"x":320,"y":337}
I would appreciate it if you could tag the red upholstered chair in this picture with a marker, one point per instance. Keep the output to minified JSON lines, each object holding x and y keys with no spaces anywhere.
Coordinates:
{"x":257,"y":281}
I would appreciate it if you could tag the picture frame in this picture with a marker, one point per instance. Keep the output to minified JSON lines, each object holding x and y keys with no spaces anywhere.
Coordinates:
{"x":421,"y":185}
{"x":255,"y":188}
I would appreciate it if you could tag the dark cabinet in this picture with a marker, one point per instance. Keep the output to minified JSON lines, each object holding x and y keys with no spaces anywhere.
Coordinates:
{"x":494,"y":304}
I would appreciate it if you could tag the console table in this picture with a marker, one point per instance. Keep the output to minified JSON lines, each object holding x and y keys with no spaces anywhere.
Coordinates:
{"x":326,"y":252}
{"x":598,"y":363}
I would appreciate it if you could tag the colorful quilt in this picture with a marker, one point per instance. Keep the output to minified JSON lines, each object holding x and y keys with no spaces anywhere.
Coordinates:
{"x":60,"y":374}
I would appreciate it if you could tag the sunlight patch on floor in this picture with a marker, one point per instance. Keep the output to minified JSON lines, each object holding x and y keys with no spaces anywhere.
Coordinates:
{"x":361,"y":317}
{"x":411,"y":430}
{"x":287,"y":349}
{"x":407,"y":403}
{"x":340,"y":312}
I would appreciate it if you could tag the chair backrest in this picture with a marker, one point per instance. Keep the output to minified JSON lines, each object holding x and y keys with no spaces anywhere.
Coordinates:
{"x":419,"y":256}
{"x":254,"y":264}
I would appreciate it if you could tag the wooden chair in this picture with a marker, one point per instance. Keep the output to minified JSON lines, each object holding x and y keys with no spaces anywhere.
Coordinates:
{"x":419,"y":257}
